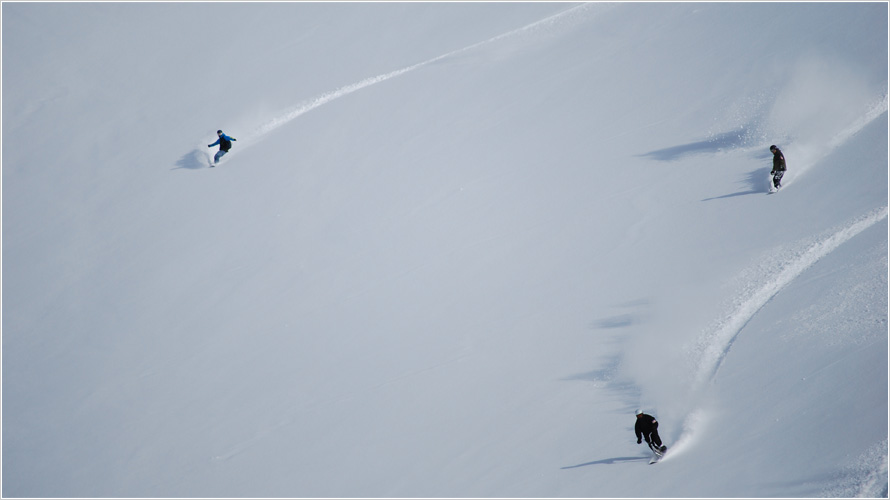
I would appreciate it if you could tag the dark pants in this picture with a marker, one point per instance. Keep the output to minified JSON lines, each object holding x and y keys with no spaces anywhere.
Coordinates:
{"x":777,"y":178}
{"x":653,"y":440}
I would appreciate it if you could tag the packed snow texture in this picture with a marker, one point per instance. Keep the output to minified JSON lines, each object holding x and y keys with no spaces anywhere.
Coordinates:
{"x":453,"y":248}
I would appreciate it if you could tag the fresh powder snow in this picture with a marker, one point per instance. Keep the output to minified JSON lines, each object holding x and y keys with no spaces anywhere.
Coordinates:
{"x":454,"y":247}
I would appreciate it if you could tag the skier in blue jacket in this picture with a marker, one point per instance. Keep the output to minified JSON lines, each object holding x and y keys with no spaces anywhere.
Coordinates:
{"x":225,"y":144}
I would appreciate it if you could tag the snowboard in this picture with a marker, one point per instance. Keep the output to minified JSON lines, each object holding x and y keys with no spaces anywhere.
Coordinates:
{"x":657,"y":456}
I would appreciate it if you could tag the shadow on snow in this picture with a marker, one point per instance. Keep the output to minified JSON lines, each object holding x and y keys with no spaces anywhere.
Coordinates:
{"x":720,"y":142}
{"x":608,"y":461}
{"x":757,"y":181}
{"x":192,"y":160}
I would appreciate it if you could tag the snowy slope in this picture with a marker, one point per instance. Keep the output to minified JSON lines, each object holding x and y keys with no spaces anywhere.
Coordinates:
{"x":454,"y":247}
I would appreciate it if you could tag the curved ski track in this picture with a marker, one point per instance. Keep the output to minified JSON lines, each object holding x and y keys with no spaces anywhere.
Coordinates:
{"x":716,"y":345}
{"x":566,"y":17}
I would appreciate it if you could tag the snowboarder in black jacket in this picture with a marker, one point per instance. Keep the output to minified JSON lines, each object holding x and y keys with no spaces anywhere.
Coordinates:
{"x":225,"y":144}
{"x":778,"y":166}
{"x":646,"y":428}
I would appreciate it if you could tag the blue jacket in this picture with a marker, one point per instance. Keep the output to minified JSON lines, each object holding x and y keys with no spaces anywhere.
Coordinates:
{"x":224,"y":141}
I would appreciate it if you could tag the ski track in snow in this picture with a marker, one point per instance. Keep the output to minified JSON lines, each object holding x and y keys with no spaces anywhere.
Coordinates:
{"x":565,"y":17}
{"x":809,"y":158}
{"x":876,"y":111}
{"x":715,"y":346}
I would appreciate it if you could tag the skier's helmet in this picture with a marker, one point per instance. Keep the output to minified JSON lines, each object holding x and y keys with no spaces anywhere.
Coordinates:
{"x":219,"y":132}
{"x":773,"y":147}
{"x":638,"y":412}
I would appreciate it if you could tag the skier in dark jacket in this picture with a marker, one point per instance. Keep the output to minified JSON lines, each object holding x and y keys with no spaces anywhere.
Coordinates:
{"x":778,"y":166}
{"x":225,"y":144}
{"x":646,"y":428}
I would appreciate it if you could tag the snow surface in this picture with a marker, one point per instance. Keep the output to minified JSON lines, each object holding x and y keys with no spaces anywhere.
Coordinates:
{"x":454,"y":247}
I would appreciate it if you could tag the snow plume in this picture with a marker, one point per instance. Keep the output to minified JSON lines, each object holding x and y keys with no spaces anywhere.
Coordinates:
{"x":712,"y":348}
{"x":564,"y":19}
{"x":822,"y":104}
{"x":694,"y":423}
{"x":819,"y":95}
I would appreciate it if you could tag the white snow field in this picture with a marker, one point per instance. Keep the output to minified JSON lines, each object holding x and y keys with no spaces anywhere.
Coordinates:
{"x":454,"y":247}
